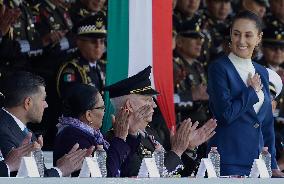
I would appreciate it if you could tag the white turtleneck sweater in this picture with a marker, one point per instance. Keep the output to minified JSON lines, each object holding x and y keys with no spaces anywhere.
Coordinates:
{"x":244,"y":67}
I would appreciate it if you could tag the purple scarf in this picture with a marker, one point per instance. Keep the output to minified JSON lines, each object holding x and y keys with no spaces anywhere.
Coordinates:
{"x":76,"y":123}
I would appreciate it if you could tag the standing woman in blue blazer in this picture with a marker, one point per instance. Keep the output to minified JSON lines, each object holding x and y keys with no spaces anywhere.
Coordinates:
{"x":240,"y":101}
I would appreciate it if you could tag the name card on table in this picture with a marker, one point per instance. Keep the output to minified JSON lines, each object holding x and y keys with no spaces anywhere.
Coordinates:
{"x":90,"y":168}
{"x":28,"y":168}
{"x":148,"y":168}
{"x":258,"y":169}
{"x":206,"y":165}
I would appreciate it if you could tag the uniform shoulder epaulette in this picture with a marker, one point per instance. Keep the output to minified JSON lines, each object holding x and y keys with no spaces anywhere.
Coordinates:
{"x":102,"y":61}
{"x":36,"y":7}
{"x":178,"y":60}
{"x":104,"y":12}
{"x":83,"y":12}
{"x":64,"y":67}
{"x":76,"y":64}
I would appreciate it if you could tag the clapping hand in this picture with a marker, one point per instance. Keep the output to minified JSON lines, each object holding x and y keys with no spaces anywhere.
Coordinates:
{"x":73,"y":160}
{"x":137,"y":119}
{"x":120,"y":123}
{"x":13,"y":158}
{"x":203,"y":134}
{"x":182,"y":137}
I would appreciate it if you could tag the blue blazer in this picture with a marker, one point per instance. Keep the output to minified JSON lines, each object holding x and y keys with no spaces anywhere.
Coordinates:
{"x":240,"y":133}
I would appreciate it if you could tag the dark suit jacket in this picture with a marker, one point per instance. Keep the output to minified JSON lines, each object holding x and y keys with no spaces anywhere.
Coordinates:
{"x":3,"y":169}
{"x":11,"y":136}
{"x":241,"y":132}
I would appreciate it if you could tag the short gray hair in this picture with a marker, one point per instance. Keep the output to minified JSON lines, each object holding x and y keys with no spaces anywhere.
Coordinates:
{"x":118,"y":102}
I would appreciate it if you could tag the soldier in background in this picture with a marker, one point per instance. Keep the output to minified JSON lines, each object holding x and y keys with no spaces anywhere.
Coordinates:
{"x":83,"y":8}
{"x":256,"y":6}
{"x":55,"y":27}
{"x":273,"y":55}
{"x":87,"y":67}
{"x":185,"y":14}
{"x":189,"y":77}
{"x":216,"y":22}
{"x":7,"y":19}
{"x":276,"y":14}
{"x":23,"y":39}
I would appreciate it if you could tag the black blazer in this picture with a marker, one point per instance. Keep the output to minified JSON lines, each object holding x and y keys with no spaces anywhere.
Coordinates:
{"x":3,"y":169}
{"x":11,"y":136}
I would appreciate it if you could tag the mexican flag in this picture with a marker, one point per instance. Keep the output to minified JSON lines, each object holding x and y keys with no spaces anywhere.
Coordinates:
{"x":139,"y":35}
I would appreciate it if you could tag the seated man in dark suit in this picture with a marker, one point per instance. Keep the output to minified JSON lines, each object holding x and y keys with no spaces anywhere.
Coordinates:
{"x":23,"y":98}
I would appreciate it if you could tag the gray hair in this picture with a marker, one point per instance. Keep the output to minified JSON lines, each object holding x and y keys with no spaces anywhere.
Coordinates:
{"x":119,"y":102}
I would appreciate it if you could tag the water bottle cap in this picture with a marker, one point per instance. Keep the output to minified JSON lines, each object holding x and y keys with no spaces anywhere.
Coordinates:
{"x":213,"y":148}
{"x":265,"y":149}
{"x":100,"y":147}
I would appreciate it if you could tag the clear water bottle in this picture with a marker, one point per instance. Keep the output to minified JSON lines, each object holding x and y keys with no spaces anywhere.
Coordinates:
{"x":101,"y":158}
{"x":159,"y":155}
{"x":266,"y":157}
{"x":1,"y":156}
{"x":39,"y":159}
{"x":214,"y":156}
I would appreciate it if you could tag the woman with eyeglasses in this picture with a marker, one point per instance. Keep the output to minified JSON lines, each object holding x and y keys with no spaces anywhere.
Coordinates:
{"x":83,"y":111}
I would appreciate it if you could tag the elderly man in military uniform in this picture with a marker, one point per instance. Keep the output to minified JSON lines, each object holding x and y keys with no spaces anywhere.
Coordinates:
{"x":217,"y":20}
{"x":136,"y":94}
{"x":83,"y":8}
{"x":87,"y":67}
{"x":189,"y":76}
